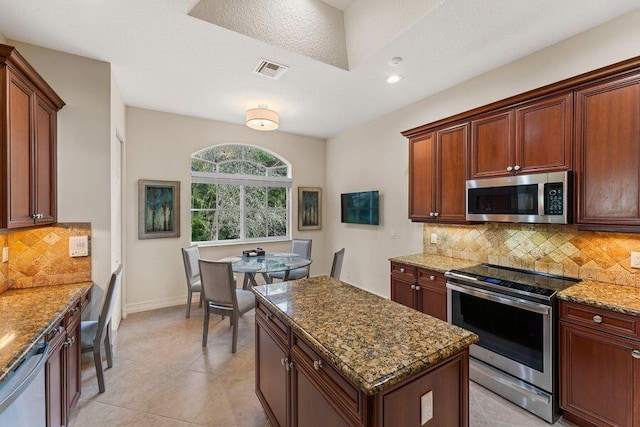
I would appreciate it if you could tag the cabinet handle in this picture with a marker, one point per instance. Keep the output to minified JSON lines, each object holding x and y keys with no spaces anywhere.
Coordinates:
{"x":516,"y":168}
{"x":432,"y":278}
{"x":597,"y":319}
{"x":73,"y":311}
{"x":635,"y":354}
{"x":69,"y":341}
{"x":509,"y":168}
{"x":317,"y":364}
{"x":402,"y":270}
{"x":283,"y":361}
{"x":413,"y":286}
{"x":431,"y":214}
{"x":269,"y":316}
{"x":436,"y":214}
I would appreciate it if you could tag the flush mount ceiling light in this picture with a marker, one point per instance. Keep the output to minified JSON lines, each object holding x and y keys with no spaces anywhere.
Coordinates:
{"x":394,"y":78}
{"x":262,"y":118}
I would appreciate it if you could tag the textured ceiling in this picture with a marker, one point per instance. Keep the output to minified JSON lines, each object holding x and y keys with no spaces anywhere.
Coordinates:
{"x":164,"y":59}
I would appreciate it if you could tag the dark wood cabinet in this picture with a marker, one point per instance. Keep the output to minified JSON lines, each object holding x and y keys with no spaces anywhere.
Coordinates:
{"x":608,"y":147}
{"x":599,"y":366}
{"x":437,"y":170}
{"x":63,"y":377}
{"x":420,"y":289}
{"x":28,"y":108}
{"x":534,"y":137}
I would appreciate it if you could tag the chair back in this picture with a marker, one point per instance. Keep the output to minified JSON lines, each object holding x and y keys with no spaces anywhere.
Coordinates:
{"x":301,"y":247}
{"x":107,"y":305}
{"x":336,"y":268}
{"x":190,"y":257}
{"x":218,"y":286}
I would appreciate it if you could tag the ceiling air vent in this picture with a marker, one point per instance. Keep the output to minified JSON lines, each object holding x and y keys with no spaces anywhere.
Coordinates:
{"x":270,"y":69}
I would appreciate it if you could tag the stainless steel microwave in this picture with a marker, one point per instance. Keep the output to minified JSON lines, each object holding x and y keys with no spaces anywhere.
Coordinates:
{"x":536,"y":198}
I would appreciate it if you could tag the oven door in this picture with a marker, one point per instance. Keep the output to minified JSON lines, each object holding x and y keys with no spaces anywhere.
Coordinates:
{"x":516,"y":335}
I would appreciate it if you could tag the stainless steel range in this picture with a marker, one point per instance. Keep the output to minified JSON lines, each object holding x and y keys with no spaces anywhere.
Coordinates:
{"x":515,"y":314}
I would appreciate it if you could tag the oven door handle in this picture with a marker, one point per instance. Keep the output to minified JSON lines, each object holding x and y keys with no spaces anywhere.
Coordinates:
{"x":491,"y":296}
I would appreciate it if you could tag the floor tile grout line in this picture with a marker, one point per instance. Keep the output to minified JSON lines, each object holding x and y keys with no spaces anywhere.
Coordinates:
{"x":137,"y":411}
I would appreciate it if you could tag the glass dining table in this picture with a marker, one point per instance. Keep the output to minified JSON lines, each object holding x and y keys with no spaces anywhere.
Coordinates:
{"x":265,"y":264}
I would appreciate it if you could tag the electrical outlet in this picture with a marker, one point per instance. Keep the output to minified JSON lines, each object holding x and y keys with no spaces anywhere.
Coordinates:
{"x":635,"y":259}
{"x":393,"y":234}
{"x":5,"y":254}
{"x":434,"y":238}
{"x":426,"y":407}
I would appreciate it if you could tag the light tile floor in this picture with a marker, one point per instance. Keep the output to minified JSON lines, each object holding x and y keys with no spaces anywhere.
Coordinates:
{"x":163,"y":377}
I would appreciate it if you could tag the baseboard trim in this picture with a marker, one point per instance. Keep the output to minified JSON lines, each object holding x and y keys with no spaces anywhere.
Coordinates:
{"x":137,"y":307}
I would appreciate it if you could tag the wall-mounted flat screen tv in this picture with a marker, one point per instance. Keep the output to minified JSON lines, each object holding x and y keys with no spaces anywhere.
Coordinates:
{"x":360,"y":208}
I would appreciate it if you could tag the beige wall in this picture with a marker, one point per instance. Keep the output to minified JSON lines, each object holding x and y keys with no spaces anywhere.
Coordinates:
{"x":3,"y":39}
{"x":159,"y":146}
{"x":375,"y":155}
{"x":84,"y":128}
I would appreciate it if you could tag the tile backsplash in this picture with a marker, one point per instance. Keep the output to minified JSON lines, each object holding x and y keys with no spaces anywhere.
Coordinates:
{"x":557,"y":249}
{"x":40,"y":256}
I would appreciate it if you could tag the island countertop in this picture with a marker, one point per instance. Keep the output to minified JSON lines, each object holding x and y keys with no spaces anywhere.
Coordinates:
{"x":374,"y":342}
{"x":27,"y":314}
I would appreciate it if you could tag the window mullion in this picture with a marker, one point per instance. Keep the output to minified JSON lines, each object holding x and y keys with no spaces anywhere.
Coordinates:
{"x":243,"y":212}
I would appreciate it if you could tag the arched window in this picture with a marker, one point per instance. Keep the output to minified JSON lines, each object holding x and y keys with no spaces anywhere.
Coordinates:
{"x":239,"y":193}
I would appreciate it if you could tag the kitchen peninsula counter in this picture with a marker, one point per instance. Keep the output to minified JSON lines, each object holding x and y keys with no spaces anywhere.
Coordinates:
{"x":377,"y":345}
{"x":437,"y":263}
{"x":26,"y":315}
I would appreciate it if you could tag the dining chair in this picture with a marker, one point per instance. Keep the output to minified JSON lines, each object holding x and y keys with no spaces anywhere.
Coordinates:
{"x":221,"y":296}
{"x":300,"y":247}
{"x":94,"y":332}
{"x":190,"y":257}
{"x":336,"y":267}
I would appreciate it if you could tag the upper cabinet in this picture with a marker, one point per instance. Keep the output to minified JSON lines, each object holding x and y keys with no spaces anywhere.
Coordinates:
{"x":530,"y":138}
{"x":437,"y":171}
{"x":608,"y":147}
{"x":28,"y":117}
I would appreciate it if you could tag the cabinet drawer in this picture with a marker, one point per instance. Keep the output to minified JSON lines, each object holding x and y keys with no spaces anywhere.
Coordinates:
{"x":275,"y":325}
{"x":337,"y":388}
{"x":431,"y":279}
{"x":406,"y":273}
{"x":55,"y":334}
{"x":85,"y":299}
{"x":600,"y":319}
{"x":72,"y":316}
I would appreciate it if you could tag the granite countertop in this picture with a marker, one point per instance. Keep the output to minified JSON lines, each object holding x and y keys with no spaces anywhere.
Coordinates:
{"x":373,"y":341}
{"x":434,"y":262}
{"x":27,"y":314}
{"x":623,"y":299}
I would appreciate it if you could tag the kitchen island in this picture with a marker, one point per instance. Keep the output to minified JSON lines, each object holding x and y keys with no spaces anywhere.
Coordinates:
{"x":328,"y":353}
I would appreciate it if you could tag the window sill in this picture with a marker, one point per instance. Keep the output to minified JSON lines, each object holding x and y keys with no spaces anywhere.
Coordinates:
{"x":238,"y":243}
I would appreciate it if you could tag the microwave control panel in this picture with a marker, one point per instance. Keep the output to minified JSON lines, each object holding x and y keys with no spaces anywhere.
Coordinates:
{"x":553,"y":198}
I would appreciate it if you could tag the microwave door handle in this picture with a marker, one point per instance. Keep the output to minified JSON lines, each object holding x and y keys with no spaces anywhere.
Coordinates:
{"x":542,"y":200}
{"x":491,"y":296}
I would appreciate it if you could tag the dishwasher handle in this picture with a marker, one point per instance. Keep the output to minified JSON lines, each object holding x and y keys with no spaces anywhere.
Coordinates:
{"x":23,"y":376}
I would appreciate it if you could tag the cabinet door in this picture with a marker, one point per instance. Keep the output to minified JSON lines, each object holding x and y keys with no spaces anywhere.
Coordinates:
{"x":272,"y":374}
{"x":404,"y":293}
{"x":451,"y":173}
{"x":54,"y":378}
{"x":73,"y":365}
{"x":45,"y":162}
{"x":599,"y":376}
{"x":421,"y":177}
{"x":433,"y":294}
{"x":543,"y":135}
{"x":608,"y":153}
{"x":21,"y":185}
{"x":492,"y":145}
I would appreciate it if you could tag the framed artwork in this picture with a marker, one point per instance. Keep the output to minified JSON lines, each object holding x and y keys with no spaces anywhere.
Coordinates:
{"x":309,"y":208}
{"x":158,"y":209}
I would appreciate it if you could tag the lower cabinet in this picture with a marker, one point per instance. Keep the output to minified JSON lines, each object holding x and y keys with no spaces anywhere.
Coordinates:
{"x":298,"y":388}
{"x":63,"y":376}
{"x":599,"y":366}
{"x":418,"y":288}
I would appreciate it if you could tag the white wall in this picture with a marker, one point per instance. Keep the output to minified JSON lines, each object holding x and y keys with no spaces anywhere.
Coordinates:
{"x":84,"y":128}
{"x":375,"y":155}
{"x":159,"y":146}
{"x":3,"y":39}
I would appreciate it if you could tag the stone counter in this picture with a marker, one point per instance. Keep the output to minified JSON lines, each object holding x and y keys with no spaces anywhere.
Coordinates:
{"x":374,"y":342}
{"x":623,"y":299}
{"x":27,"y":314}
{"x":433,"y":262}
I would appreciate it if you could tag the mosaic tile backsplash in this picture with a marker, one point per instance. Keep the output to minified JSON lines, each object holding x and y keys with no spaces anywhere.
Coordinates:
{"x":4,"y":269}
{"x":40,"y":257}
{"x":557,"y":249}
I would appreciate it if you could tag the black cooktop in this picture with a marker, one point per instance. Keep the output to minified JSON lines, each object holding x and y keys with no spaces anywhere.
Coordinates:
{"x":522,"y":282}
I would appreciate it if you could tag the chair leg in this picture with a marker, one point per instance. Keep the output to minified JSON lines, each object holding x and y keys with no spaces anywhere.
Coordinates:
{"x":97,"y":359}
{"x":205,"y":327}
{"x":235,"y":333}
{"x":189,"y":304}
{"x":201,"y":299}
{"x":107,"y":346}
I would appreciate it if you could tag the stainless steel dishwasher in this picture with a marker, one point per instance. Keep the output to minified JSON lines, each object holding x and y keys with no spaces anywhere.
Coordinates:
{"x":22,"y":395}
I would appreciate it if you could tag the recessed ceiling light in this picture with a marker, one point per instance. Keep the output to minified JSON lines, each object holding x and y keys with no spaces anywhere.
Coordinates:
{"x":394,"y":78}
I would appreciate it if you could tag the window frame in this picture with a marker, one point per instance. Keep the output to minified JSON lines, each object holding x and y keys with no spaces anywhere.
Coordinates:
{"x":243,"y":180}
